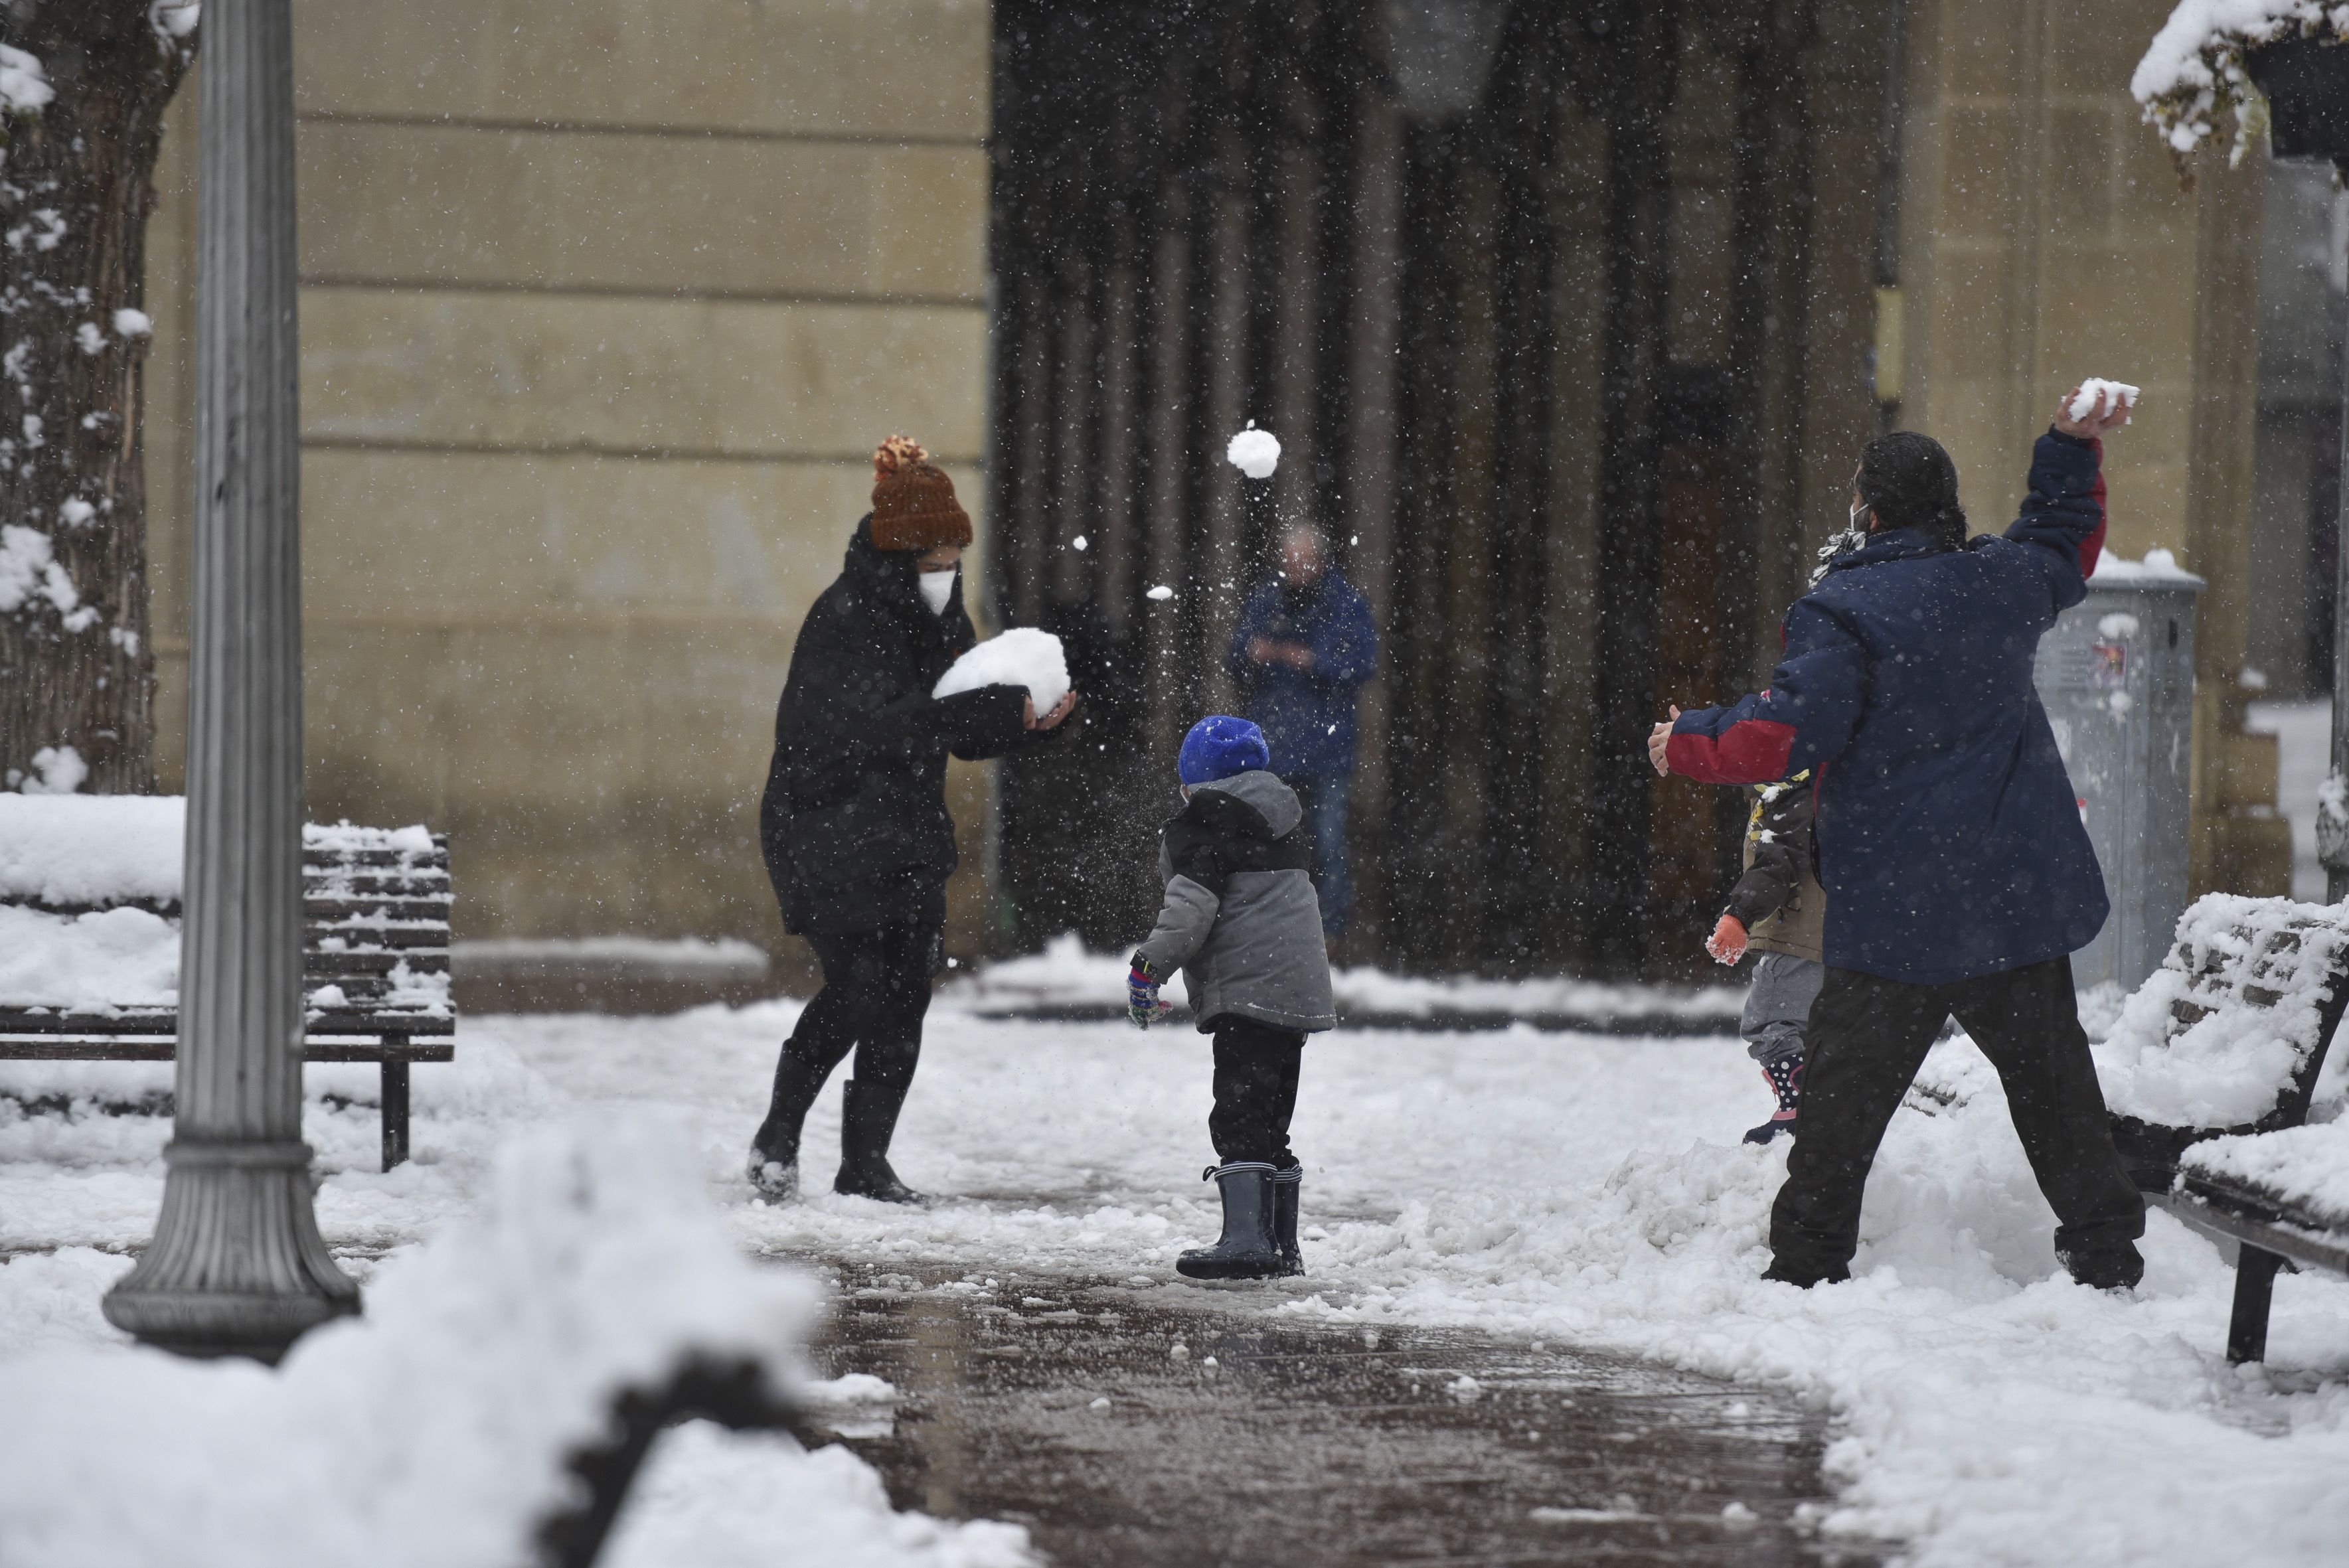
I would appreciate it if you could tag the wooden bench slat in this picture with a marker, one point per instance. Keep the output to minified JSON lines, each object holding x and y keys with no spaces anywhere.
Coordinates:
{"x":102,"y":1048}
{"x":434,"y":857}
{"x":324,"y":911}
{"x":166,"y":1021}
{"x":2258,"y":1225}
{"x":412,"y":936}
{"x":318,"y":964}
{"x":368,"y":885}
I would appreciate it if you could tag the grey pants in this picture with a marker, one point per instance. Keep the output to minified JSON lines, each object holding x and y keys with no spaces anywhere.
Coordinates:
{"x":1778,"y":1005}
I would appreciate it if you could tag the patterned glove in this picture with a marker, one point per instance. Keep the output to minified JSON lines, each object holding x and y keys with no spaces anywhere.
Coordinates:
{"x":1142,"y":1007}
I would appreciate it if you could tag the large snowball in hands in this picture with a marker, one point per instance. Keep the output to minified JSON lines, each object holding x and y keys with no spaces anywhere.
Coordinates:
{"x":1022,"y":657}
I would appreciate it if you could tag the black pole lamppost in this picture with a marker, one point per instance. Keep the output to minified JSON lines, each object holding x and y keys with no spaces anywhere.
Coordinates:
{"x":2306,"y":81}
{"x":237,"y":1265}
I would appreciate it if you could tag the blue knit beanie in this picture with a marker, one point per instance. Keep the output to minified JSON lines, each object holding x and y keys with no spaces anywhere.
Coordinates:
{"x":1220,"y":746}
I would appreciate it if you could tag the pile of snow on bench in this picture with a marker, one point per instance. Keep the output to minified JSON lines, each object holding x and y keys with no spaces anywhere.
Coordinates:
{"x":2178,"y":1059}
{"x":2301,"y":1170}
{"x":89,"y":889}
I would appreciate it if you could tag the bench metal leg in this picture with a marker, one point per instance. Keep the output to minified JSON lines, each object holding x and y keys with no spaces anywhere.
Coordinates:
{"x":2247,"y":1332}
{"x":395,"y":1112}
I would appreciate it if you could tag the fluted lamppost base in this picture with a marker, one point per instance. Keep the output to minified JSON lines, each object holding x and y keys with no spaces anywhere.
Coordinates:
{"x":238,"y":1267}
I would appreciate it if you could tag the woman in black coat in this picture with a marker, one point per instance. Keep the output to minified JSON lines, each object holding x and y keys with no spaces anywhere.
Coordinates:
{"x":854,"y":822}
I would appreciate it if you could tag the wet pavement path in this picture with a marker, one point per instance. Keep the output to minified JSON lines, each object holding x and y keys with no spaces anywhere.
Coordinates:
{"x":1139,"y":1425}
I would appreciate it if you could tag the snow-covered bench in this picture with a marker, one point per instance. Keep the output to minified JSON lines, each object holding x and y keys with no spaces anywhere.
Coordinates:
{"x":89,"y":940}
{"x":2211,"y":1075}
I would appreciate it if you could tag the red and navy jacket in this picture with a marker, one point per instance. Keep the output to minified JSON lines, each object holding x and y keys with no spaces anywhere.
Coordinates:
{"x":1949,"y":837}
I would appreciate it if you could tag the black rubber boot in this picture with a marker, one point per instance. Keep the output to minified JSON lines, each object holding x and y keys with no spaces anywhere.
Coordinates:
{"x":1802,"y":1277}
{"x":1248,"y":1250}
{"x":774,"y":1164}
{"x":1285,"y":1187}
{"x":868,"y":1119}
{"x":2118,"y":1270}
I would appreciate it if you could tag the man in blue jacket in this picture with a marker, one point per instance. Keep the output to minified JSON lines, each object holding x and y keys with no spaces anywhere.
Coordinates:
{"x":1303,"y":648}
{"x":1959,"y":876}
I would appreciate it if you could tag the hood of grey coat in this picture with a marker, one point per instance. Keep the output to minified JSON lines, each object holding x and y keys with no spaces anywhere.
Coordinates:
{"x":1263,"y":793}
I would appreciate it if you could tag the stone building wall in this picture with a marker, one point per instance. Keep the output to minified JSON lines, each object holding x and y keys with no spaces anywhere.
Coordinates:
{"x":2044,"y":236}
{"x":604,"y":307}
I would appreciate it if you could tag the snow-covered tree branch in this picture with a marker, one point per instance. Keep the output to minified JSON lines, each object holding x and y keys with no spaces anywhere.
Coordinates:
{"x":2193,"y":75}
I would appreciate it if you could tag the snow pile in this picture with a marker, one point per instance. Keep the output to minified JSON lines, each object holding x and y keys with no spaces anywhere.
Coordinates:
{"x":2121,"y":395}
{"x":678,"y":958}
{"x":91,"y":849}
{"x":2159,"y":566}
{"x":1256,"y":453}
{"x":97,"y":962}
{"x":1022,"y":657}
{"x":2194,"y":71}
{"x":81,"y":849}
{"x":23,"y":85}
{"x":2305,"y":1168}
{"x":2189,"y":1050}
{"x":434,"y":1431}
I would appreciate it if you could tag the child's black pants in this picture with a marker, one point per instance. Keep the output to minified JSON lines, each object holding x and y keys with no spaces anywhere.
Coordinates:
{"x":1868,"y":1035}
{"x":1255,"y":1092}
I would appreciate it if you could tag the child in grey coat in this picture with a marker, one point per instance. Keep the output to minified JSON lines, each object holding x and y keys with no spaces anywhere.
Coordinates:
{"x":1242,"y":921}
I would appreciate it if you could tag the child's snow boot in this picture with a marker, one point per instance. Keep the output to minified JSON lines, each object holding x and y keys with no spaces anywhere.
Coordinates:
{"x":1247,"y":1250}
{"x":1284,"y":1186}
{"x":1785,"y":1075}
{"x":868,"y":1118}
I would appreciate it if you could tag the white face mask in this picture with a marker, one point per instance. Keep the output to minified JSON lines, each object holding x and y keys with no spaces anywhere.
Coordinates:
{"x":938,"y":590}
{"x":1859,"y":518}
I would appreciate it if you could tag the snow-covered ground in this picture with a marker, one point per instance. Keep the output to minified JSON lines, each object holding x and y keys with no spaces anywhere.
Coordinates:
{"x":1568,"y":1186}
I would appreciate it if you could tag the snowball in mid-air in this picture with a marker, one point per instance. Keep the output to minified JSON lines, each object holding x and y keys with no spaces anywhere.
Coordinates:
{"x":1254,"y":452}
{"x":1022,"y":657}
{"x":1161,"y":593}
{"x":2117,"y":392}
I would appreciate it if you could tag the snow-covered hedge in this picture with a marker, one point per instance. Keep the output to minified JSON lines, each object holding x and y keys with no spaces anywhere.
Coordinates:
{"x":2194,"y":75}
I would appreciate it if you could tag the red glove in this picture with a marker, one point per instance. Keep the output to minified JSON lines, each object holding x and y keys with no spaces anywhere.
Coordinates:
{"x":1727,"y":943}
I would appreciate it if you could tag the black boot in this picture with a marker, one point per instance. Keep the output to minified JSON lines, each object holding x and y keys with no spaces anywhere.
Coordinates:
{"x":1285,"y":1185}
{"x":868,"y":1118}
{"x":1247,"y":1250}
{"x":774,"y":1163}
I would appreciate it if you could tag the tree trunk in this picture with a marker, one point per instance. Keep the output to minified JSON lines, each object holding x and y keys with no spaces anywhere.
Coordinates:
{"x":76,"y":183}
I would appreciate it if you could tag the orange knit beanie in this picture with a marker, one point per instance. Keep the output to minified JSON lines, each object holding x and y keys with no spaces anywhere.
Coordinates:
{"x":914,"y":505}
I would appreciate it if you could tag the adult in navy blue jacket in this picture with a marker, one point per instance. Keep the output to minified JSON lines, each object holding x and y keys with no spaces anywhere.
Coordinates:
{"x":1304,"y":646}
{"x":1959,"y":877}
